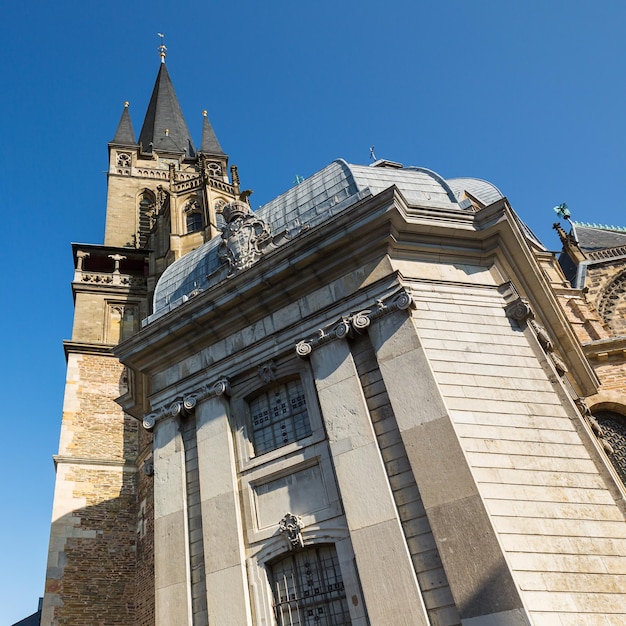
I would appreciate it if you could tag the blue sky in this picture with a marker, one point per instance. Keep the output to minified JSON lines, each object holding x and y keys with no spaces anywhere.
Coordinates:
{"x":529,"y":95}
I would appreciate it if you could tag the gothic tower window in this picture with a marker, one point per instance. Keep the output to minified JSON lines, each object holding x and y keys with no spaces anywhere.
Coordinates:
{"x":279,"y":416}
{"x":614,"y":431}
{"x":308,"y":589}
{"x":214,"y":169}
{"x":193,"y":217}
{"x":219,"y":218}
{"x":124,"y":159}
{"x":122,"y":322}
{"x":147,"y":206}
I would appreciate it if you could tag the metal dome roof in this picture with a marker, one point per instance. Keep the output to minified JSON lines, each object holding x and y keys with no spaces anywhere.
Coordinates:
{"x":482,"y":190}
{"x":327,"y":192}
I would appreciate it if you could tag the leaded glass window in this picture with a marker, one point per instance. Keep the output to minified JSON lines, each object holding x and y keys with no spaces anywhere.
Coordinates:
{"x":194,"y":222}
{"x":279,"y":416}
{"x":308,"y":589}
{"x":614,"y":430}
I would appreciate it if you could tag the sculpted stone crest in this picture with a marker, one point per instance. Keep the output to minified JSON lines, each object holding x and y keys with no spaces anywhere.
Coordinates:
{"x":243,"y":237}
{"x":291,"y":527}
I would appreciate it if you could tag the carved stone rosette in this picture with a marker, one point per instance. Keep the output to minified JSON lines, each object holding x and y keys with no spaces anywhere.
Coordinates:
{"x":355,"y":324}
{"x":183,"y":407}
{"x":291,"y":527}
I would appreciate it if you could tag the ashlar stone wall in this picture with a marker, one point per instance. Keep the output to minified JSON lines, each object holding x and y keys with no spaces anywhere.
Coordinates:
{"x":92,"y":564}
{"x":563,"y":535}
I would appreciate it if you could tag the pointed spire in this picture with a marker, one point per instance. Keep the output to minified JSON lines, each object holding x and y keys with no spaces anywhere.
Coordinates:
{"x":210,"y":144}
{"x":124,"y":133}
{"x":164,"y":127}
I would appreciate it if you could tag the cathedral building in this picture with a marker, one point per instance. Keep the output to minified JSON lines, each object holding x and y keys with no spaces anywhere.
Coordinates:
{"x":378,"y":399}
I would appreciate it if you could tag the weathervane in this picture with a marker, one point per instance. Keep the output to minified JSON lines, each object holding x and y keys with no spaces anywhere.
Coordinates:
{"x":564,"y":213}
{"x":162,"y":48}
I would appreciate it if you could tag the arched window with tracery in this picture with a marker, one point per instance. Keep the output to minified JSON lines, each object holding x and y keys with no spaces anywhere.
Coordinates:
{"x":614,"y":431}
{"x":612,"y":304}
{"x":147,"y":208}
{"x":219,"y":205}
{"x":308,"y":589}
{"x":193,"y":217}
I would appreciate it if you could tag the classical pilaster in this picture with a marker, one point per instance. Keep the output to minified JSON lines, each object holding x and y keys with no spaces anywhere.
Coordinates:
{"x":390,"y":587}
{"x":469,"y":549}
{"x":224,"y":550}
{"x":171,"y":554}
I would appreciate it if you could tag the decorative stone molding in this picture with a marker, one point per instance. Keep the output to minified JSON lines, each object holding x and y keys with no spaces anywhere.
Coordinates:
{"x":184,"y":407}
{"x":267,"y":372}
{"x":244,"y":237}
{"x":585,"y":411}
{"x":125,"y":280}
{"x":123,"y":159}
{"x":355,"y":324}
{"x":521,"y":311}
{"x":291,"y":527}
{"x":542,"y":336}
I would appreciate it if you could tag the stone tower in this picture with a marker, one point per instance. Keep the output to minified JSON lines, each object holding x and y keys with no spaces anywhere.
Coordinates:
{"x":163,"y":199}
{"x":362,"y":404}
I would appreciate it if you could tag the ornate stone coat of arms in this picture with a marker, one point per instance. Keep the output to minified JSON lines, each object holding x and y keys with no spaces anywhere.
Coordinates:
{"x":243,"y":237}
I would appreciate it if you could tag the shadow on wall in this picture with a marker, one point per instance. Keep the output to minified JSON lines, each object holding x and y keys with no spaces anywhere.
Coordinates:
{"x":100,"y":564}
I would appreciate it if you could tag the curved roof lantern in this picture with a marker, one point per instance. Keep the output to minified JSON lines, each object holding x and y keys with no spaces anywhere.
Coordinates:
{"x":311,"y":202}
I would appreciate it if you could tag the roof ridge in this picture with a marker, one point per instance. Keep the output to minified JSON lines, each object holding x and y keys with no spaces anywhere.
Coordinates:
{"x":616,"y":229}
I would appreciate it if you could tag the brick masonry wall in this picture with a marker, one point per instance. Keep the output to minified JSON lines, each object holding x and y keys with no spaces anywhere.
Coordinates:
{"x":589,"y":327}
{"x":92,"y":566}
{"x":144,"y":575}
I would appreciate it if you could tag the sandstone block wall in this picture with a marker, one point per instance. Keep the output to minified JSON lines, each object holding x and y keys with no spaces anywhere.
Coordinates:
{"x":94,"y":574}
{"x":563,"y":535}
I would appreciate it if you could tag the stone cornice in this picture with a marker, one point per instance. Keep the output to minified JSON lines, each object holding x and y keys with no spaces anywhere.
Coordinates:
{"x":602,"y":349}
{"x":354,"y":324}
{"x":184,"y":406}
{"x":79,"y":347}
{"x":71,"y":460}
{"x":373,"y":229}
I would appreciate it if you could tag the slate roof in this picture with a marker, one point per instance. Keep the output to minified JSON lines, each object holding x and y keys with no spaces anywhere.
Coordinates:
{"x":592,"y":237}
{"x":124,"y":134}
{"x":164,"y":127}
{"x":311,"y":202}
{"x":210,"y":144}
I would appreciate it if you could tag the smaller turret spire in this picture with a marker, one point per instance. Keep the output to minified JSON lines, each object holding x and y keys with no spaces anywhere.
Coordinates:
{"x":124,"y":133}
{"x":210,"y":144}
{"x":162,"y":48}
